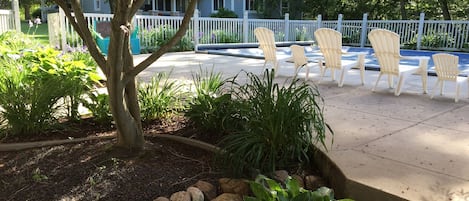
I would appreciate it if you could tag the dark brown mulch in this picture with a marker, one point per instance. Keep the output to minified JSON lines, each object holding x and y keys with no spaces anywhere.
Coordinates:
{"x":95,"y":170}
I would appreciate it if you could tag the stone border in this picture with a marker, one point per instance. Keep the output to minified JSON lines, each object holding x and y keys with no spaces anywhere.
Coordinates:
{"x":345,"y":187}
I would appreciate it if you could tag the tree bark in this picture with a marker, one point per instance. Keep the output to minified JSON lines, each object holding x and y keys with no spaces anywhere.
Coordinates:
{"x":444,"y":9}
{"x":402,"y":4}
{"x":119,"y":67}
{"x":27,"y":12}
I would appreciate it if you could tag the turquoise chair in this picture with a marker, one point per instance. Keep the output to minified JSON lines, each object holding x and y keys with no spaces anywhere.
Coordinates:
{"x":103,"y":31}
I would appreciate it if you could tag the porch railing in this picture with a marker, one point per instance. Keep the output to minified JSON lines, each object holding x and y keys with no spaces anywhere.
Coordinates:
{"x":7,"y":21}
{"x":415,"y":34}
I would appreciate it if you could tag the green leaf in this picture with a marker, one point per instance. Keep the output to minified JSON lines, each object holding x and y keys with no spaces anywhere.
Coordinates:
{"x":261,"y":192}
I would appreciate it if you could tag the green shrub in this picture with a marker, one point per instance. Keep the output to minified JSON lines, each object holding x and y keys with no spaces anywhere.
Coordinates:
{"x":437,"y":40}
{"x":210,"y":109}
{"x":98,"y":104}
{"x":224,"y":13}
{"x":281,"y":124}
{"x":162,"y":35}
{"x":266,"y":189}
{"x":35,"y":82}
{"x":220,"y":36}
{"x":302,"y":34}
{"x":12,"y":42}
{"x":160,"y":98}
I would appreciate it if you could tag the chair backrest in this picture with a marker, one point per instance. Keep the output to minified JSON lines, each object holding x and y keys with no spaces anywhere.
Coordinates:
{"x":446,"y":66}
{"x":266,"y":39}
{"x":298,"y":55}
{"x":330,"y":44}
{"x":386,"y":47}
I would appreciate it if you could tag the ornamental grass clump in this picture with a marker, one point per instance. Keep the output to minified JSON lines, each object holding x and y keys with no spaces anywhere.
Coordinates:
{"x":211,"y":109}
{"x":282,"y":122}
{"x":161,"y":98}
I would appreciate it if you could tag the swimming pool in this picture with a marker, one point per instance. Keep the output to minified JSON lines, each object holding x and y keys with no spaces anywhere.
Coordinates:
{"x":371,"y":63}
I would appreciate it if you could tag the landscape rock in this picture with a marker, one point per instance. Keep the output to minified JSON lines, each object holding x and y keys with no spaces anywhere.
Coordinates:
{"x":196,"y":194}
{"x":209,"y":190}
{"x":313,"y":182}
{"x":180,"y":196}
{"x":299,"y":179}
{"x":237,"y":186}
{"x":161,"y":199}
{"x":281,"y":175}
{"x":228,"y":197}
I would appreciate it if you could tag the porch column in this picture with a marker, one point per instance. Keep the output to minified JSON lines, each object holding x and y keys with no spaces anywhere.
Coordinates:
{"x":173,"y":6}
{"x":153,"y":4}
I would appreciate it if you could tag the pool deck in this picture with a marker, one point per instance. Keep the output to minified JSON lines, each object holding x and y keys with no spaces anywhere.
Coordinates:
{"x":410,"y":146}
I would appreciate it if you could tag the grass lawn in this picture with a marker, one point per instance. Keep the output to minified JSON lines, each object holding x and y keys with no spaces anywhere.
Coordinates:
{"x":40,"y":33}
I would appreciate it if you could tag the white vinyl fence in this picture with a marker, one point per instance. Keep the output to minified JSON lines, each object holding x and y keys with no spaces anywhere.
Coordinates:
{"x":6,"y":21}
{"x":415,"y":34}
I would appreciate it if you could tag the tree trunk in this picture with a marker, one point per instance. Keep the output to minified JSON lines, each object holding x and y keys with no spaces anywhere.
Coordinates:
{"x":444,"y":9}
{"x":27,"y":12}
{"x":118,"y":67}
{"x":403,"y":10}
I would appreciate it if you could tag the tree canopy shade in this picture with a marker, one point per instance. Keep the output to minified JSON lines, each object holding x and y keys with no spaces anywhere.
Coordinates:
{"x":119,"y":67}
{"x":354,"y":9}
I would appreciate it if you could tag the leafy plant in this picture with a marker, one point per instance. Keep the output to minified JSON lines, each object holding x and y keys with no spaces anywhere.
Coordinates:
{"x":160,"y":98}
{"x":98,"y":104}
{"x":34,"y":81}
{"x":302,"y":34}
{"x":224,"y":13}
{"x":161,"y":36}
{"x":431,"y":41}
{"x":210,"y":109}
{"x":266,"y":189}
{"x":221,"y":36}
{"x":281,"y":124}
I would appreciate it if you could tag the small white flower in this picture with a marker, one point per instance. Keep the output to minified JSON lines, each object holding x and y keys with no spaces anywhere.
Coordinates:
{"x":30,"y":23}
{"x":37,"y":20}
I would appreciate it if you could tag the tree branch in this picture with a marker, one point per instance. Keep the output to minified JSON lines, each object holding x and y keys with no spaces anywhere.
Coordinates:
{"x":165,"y":48}
{"x":135,"y":6}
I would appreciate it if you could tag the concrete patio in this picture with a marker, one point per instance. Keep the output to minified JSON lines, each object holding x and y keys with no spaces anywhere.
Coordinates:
{"x":410,"y":146}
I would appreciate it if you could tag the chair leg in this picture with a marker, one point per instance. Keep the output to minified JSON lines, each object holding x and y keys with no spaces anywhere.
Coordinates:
{"x":376,"y":84}
{"x":390,"y":81}
{"x":333,"y":74}
{"x":434,"y":89}
{"x":442,"y":85}
{"x":457,"y":92}
{"x":398,"y":90}
{"x":323,"y":71}
{"x":307,"y":72}
{"x":342,"y":75}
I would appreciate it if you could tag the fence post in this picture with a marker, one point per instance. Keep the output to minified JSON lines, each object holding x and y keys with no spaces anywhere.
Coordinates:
{"x":245,"y":27}
{"x":364,"y":30}
{"x":420,"y":30}
{"x":16,"y":14}
{"x":339,"y":23}
{"x":319,"y":21}
{"x":196,"y":29}
{"x":287,"y":26}
{"x":63,"y":29}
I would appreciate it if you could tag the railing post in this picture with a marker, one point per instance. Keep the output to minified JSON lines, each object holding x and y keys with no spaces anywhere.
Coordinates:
{"x":196,"y":29}
{"x":420,"y":30}
{"x":63,"y":30}
{"x":287,"y":26}
{"x":319,"y":21}
{"x":245,"y":27}
{"x":339,"y":23}
{"x":364,"y":30}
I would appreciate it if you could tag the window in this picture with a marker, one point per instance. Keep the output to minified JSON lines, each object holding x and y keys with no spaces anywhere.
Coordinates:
{"x":250,"y":6}
{"x":97,"y":5}
{"x":217,"y":4}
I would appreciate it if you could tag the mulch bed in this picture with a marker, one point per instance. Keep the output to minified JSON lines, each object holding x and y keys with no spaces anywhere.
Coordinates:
{"x":95,"y":170}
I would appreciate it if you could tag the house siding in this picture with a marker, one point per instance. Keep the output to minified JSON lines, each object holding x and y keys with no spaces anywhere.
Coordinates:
{"x":205,"y":8}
